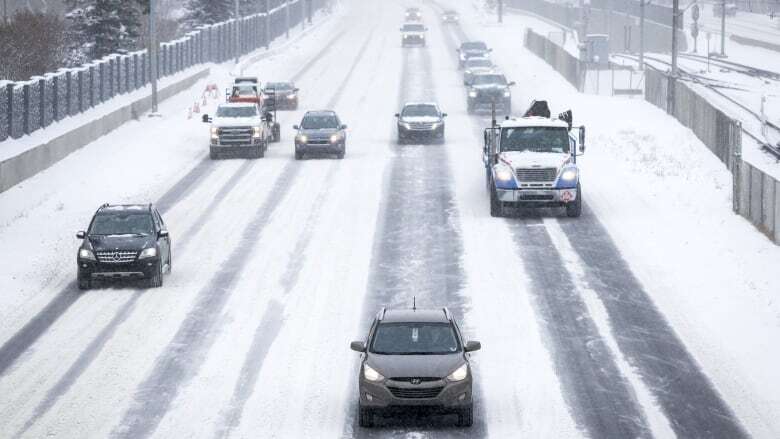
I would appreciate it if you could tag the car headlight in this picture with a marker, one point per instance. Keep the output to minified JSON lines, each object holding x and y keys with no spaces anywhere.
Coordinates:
{"x":406,"y":125}
{"x":372,"y":375}
{"x":292,"y":96}
{"x":468,"y":72}
{"x":460,"y":373}
{"x":435,"y":125}
{"x":472,"y":94}
{"x":257,"y":132}
{"x":462,"y":57}
{"x":406,"y":36}
{"x":215,"y":133}
{"x":503,"y":173}
{"x":569,"y":175}
{"x":86,"y":253}
{"x":507,"y":93}
{"x":334,"y":138}
{"x":301,"y":138}
{"x":148,"y":253}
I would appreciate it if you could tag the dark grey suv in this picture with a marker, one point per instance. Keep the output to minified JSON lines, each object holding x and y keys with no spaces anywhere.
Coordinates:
{"x":320,"y":132}
{"x":415,"y":359}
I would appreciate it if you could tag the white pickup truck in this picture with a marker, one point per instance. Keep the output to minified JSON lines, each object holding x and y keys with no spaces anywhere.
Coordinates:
{"x":239,"y":129}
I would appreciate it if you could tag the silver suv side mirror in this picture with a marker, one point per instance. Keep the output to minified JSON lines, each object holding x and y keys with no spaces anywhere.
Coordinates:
{"x":472,"y":346}
{"x":358,"y":346}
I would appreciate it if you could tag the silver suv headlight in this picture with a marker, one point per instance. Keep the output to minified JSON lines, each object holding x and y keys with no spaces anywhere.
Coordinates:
{"x":460,"y":373}
{"x":370,"y":374}
{"x":472,"y":94}
{"x":148,"y":253}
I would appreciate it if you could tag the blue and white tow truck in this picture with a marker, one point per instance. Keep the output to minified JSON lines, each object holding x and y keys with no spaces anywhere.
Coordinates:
{"x":531,"y":161}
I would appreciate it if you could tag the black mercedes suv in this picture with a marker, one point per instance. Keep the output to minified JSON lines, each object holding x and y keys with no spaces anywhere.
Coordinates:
{"x":124,"y":242}
{"x":415,"y":359}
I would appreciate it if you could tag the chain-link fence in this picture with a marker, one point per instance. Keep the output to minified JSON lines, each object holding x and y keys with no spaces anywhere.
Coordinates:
{"x":756,"y":195}
{"x":28,"y":106}
{"x":562,"y":61}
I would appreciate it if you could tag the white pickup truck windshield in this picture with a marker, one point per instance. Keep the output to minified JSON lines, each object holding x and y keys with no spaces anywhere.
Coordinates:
{"x":535,"y":139}
{"x":237,"y":112}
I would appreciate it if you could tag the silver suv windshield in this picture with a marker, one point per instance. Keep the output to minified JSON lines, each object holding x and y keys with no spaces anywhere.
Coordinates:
{"x":535,"y":139}
{"x":413,"y":28}
{"x":248,"y":111}
{"x":478,"y":62}
{"x":419,"y":110}
{"x":415,"y":339}
{"x":489,"y":80}
{"x":122,"y":224}
{"x":319,"y":122}
{"x":474,"y":45}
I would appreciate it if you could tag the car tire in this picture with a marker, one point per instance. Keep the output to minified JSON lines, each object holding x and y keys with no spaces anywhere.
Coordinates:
{"x":213,"y":155}
{"x":298,"y":155}
{"x":85,"y":283}
{"x":276,"y":132}
{"x":365,"y":417}
{"x":156,"y":281}
{"x":170,"y":263}
{"x":574,"y":210}
{"x":466,"y":416}
{"x":340,"y":154}
{"x":496,"y":207}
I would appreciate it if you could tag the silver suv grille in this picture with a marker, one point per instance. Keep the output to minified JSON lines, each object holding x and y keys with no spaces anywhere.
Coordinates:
{"x":415,"y":393}
{"x":421,"y":125}
{"x":525,"y":175}
{"x":235,"y":135}
{"x":117,"y":257}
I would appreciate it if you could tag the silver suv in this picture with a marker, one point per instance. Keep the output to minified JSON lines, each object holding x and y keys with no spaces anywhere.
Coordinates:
{"x":415,"y":359}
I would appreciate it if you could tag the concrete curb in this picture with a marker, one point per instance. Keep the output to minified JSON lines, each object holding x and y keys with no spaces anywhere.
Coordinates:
{"x":34,"y":160}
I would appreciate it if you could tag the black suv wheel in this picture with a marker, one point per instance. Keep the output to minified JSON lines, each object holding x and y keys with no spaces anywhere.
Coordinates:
{"x":156,"y":280}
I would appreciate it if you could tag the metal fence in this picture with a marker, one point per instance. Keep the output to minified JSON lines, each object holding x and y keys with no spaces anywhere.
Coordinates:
{"x":28,"y":106}
{"x":562,"y":61}
{"x":756,"y":195}
{"x":621,"y":24}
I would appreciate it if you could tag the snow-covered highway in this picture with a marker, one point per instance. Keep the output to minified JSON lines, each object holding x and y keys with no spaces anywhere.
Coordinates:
{"x":655,"y":314}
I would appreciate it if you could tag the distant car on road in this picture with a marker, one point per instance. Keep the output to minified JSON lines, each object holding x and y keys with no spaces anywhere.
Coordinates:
{"x":415,"y":359}
{"x":124,"y":242}
{"x":239,"y":129}
{"x":486,"y":89}
{"x":281,"y":95}
{"x":421,"y":121}
{"x":320,"y":132}
{"x":413,"y":14}
{"x":472,"y":49}
{"x":413,"y":34}
{"x":476,"y":66}
{"x":450,"y":16}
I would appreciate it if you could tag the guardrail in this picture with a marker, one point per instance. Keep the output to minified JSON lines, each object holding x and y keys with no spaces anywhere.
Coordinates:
{"x":28,"y":106}
{"x":569,"y":66}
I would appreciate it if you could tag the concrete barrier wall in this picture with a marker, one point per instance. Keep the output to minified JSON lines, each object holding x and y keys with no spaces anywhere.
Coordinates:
{"x":23,"y":166}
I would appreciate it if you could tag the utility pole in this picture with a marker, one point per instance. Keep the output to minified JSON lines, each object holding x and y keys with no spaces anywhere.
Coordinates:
{"x":267,"y":23}
{"x":5,"y":11}
{"x":670,"y":103}
{"x":500,"y":11}
{"x":238,"y":31}
{"x":642,"y":4}
{"x":311,"y":6}
{"x":153,"y":49}
{"x":287,"y":18}
{"x":723,"y":29}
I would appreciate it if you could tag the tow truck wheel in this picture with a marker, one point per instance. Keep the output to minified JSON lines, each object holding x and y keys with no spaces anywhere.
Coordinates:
{"x":574,"y":210}
{"x":496,"y":208}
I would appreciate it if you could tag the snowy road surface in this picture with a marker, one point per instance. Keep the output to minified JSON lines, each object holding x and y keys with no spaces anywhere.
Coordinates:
{"x":655,"y":314}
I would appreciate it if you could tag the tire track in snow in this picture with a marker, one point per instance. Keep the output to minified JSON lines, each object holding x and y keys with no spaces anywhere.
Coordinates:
{"x":417,"y":250}
{"x":272,"y":320}
{"x":26,"y":336}
{"x":689,"y":400}
{"x":187,"y":351}
{"x":601,"y":400}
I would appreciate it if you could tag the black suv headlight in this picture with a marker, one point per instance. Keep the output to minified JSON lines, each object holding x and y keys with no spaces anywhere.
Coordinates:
{"x":85,"y":253}
{"x":146,"y":253}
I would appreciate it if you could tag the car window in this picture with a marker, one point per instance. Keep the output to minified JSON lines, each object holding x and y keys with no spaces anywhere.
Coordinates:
{"x":279,"y":85}
{"x":319,"y":121}
{"x":537,"y":139}
{"x":489,"y":79}
{"x":247,"y":111}
{"x":418,"y":110}
{"x":479,"y":63}
{"x":415,"y":339}
{"x":473,"y":45}
{"x":122,"y":224}
{"x":413,"y":28}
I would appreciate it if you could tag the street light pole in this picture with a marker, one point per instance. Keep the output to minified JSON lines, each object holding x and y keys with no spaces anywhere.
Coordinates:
{"x":287,"y":18}
{"x":673,"y":78}
{"x":723,"y":29}
{"x":153,"y":49}
{"x":238,"y":31}
{"x":500,"y":11}
{"x":267,"y":23}
{"x":642,"y":4}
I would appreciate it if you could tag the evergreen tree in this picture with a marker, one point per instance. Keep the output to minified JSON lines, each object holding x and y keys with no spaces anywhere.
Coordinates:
{"x":200,"y":12}
{"x":102,"y":27}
